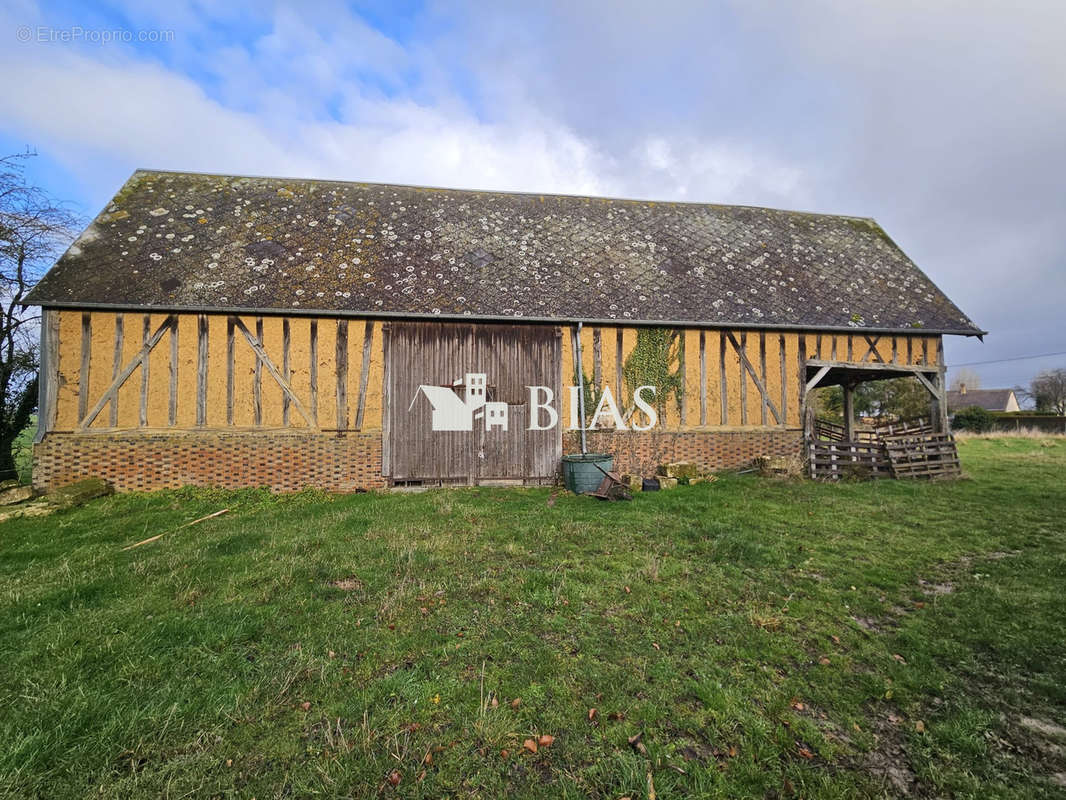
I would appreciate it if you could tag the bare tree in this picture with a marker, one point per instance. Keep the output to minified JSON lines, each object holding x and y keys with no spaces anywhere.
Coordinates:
{"x":1048,"y":391}
{"x":33,"y":230}
{"x":964,"y":377}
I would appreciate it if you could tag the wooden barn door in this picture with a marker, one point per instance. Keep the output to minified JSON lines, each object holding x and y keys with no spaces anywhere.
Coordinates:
{"x":512,"y":358}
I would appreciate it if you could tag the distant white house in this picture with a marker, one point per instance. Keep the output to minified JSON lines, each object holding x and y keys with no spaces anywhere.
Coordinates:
{"x":452,"y":413}
{"x":988,"y":399}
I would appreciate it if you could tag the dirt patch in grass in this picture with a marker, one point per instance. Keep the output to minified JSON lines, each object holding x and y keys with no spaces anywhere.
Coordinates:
{"x":1043,"y":727}
{"x":874,"y":625}
{"x":888,"y":761}
{"x":936,"y":589}
{"x":349,"y":584}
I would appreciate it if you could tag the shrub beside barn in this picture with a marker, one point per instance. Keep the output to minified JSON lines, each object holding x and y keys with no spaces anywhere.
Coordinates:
{"x":229,"y":331}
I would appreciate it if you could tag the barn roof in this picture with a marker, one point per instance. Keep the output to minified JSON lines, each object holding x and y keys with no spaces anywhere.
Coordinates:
{"x":174,"y":241}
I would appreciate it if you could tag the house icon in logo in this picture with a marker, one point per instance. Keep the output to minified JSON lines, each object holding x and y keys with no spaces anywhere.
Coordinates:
{"x":452,"y":413}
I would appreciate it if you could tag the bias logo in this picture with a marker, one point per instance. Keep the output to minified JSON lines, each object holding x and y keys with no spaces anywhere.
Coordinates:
{"x":465,"y":403}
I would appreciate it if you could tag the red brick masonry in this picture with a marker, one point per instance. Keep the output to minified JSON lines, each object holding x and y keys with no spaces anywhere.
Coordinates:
{"x":287,"y":461}
{"x":283,"y":461}
{"x":640,"y":452}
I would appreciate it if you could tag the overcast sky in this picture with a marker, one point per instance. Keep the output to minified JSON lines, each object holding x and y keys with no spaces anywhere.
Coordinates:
{"x":944,"y":120}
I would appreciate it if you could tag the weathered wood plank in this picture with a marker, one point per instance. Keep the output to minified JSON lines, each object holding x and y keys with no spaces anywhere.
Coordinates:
{"x":86,"y":355}
{"x":172,"y":405}
{"x":386,"y":416}
{"x":257,"y":377}
{"x":928,"y":384}
{"x":813,"y":382}
{"x":784,"y":380}
{"x":120,"y":379}
{"x":342,"y":374}
{"x":743,"y":378}
{"x":229,"y":369}
{"x":703,"y":377}
{"x":48,"y":382}
{"x":202,"y":335}
{"x":364,"y":373}
{"x":722,"y":381}
{"x":286,"y":370}
{"x":314,"y":371}
{"x":851,"y":348}
{"x":146,"y":334}
{"x":762,"y":371}
{"x":871,"y":349}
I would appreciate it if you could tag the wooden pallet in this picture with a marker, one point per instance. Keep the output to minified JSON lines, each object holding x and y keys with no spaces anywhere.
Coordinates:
{"x":835,"y":460}
{"x":917,"y":427}
{"x":930,"y":455}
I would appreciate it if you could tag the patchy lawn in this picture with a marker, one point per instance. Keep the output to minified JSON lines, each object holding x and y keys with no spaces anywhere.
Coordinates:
{"x":766,"y":639}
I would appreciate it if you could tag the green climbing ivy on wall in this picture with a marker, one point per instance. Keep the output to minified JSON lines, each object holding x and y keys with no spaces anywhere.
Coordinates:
{"x":655,"y":362}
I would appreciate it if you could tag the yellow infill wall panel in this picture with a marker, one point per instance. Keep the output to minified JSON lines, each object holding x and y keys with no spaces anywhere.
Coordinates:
{"x":272,"y":394}
{"x":129,"y":394}
{"x":772,"y":347}
{"x":187,"y":370}
{"x":69,"y":370}
{"x":375,"y":381}
{"x":629,"y":343}
{"x":692,"y":378}
{"x":299,"y":368}
{"x":884,"y":349}
{"x":795,"y":379}
{"x":243,"y":375}
{"x":750,"y":342}
{"x":587,"y":359}
{"x":714,"y":384}
{"x":103,"y":342}
{"x":157,"y":403}
{"x":734,"y":376}
{"x":566,"y":344}
{"x":356,"y":332}
{"x":812,"y":344}
{"x":327,"y":374}
{"x":215,"y":397}
{"x":911,"y":349}
{"x":609,"y":357}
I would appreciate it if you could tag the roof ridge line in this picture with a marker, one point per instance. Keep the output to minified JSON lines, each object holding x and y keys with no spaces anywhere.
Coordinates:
{"x":512,"y":192}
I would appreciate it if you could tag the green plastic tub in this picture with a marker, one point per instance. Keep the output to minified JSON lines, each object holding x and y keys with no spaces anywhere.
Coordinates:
{"x":582,"y":472}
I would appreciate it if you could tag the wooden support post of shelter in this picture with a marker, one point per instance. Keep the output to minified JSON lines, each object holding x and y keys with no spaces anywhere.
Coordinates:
{"x":849,"y":410}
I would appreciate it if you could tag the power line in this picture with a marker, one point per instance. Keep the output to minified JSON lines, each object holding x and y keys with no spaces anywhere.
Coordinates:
{"x":1003,"y":360}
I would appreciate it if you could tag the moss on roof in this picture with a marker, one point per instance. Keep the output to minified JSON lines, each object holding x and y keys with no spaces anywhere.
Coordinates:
{"x":219,"y":242}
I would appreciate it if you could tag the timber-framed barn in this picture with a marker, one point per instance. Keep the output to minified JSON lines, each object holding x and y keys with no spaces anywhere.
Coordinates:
{"x":234,"y":331}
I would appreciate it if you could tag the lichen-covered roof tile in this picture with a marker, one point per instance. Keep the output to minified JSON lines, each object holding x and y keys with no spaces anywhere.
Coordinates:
{"x":216,"y":242}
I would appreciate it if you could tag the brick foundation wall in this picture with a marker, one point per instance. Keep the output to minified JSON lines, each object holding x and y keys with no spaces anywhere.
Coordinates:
{"x":284,"y":461}
{"x":640,"y":452}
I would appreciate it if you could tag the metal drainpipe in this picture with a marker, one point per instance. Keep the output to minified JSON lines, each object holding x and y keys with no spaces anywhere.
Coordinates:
{"x":581,"y":390}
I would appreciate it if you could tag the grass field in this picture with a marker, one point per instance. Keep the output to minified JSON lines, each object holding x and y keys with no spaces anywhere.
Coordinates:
{"x":766,"y":639}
